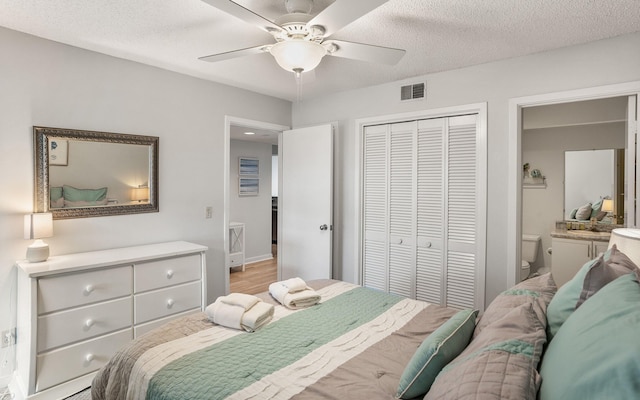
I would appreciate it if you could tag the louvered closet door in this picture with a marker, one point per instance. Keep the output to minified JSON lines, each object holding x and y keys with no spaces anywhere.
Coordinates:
{"x":430,"y":214}
{"x":375,"y":215}
{"x":402,"y":195}
{"x":461,"y":203}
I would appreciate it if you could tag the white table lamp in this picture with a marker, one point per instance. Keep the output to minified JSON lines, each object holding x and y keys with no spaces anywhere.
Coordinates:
{"x":38,"y":226}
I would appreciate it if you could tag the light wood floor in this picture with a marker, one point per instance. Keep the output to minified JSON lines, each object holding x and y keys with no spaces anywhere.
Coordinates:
{"x":256,"y":278}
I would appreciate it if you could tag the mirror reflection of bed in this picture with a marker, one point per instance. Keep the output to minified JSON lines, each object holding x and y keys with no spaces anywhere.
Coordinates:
{"x":100,"y":174}
{"x":592,"y":176}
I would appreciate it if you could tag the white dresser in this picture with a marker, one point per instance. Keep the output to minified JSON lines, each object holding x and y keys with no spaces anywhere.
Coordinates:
{"x":76,"y":310}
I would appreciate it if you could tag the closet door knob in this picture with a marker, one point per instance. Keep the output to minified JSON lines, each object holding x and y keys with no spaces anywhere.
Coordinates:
{"x":324,"y":227}
{"x":170,"y":303}
{"x":88,"y":289}
{"x":169,"y":274}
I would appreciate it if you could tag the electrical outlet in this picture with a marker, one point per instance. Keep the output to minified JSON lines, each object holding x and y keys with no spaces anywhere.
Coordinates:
{"x":208,"y":212}
{"x":9,"y":337}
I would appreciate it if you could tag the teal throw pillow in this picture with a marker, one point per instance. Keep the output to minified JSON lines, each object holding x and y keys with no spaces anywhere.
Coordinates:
{"x":55,"y":193}
{"x":435,"y":352}
{"x":566,"y":298}
{"x":593,"y":276}
{"x":72,"y":194}
{"x":595,"y":208}
{"x":596,"y":353}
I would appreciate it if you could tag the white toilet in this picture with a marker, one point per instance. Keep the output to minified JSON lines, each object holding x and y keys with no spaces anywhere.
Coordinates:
{"x":530,"y":245}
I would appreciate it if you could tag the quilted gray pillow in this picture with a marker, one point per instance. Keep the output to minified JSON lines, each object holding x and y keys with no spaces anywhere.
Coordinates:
{"x":584,"y":212}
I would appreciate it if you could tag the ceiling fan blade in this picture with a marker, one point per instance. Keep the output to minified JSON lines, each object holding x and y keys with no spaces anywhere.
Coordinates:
{"x":342,"y":12}
{"x":244,"y":14}
{"x":366,"y":52}
{"x":234,"y":54}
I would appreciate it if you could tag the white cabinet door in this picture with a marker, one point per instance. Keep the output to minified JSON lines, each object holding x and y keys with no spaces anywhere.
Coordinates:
{"x":430,"y":215}
{"x":461,"y":210}
{"x":567,"y":258}
{"x":402,"y":198}
{"x":375,"y":216}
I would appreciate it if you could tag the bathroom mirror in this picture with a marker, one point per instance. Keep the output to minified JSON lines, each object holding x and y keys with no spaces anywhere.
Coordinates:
{"x":81,"y":174}
{"x":591,"y":175}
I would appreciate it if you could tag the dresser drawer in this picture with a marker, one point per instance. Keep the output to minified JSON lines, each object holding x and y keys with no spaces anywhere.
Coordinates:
{"x":236,"y":259}
{"x":74,"y":290}
{"x":163,"y":273}
{"x":65,"y":327}
{"x":71,"y":362}
{"x":164,"y":302}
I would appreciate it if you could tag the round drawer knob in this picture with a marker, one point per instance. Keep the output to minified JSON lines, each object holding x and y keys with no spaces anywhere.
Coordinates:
{"x":89,"y":357}
{"x":428,"y":244}
{"x":89,"y":323}
{"x":89,"y":288}
{"x":169,"y":274}
{"x":170,"y":303}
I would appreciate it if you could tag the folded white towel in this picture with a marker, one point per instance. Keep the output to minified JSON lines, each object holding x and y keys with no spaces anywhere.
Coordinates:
{"x":257,"y":316}
{"x":246,"y":301}
{"x":225,"y":314}
{"x":236,"y":317}
{"x":294,"y":284}
{"x":299,"y":298}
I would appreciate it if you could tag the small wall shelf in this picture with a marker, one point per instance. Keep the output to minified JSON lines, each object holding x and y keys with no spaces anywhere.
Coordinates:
{"x":534,"y":185}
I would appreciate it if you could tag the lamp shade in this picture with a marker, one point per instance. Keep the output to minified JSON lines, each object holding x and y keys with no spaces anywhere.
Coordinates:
{"x":298,"y":55}
{"x":607,"y":205}
{"x":38,"y":226}
{"x":627,"y":240}
{"x":140,"y":193}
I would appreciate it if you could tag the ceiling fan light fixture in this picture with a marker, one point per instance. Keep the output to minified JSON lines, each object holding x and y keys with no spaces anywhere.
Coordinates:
{"x":298,"y":55}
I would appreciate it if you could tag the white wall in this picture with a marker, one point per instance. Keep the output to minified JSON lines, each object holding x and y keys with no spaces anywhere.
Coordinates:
{"x":253,"y":211}
{"x":544,"y":149}
{"x":599,"y":63}
{"x":49,"y":84}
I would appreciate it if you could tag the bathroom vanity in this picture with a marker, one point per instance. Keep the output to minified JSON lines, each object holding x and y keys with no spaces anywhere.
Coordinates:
{"x":572,"y":249}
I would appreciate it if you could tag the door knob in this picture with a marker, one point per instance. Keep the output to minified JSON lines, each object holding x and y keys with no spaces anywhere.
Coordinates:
{"x":324,"y":227}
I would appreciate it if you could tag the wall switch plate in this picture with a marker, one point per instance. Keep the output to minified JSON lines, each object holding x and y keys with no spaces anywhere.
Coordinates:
{"x":8,"y":337}
{"x":208,"y":212}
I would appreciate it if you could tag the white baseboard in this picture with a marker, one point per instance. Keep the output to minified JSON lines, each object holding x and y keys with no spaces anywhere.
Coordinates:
{"x":264,"y":257}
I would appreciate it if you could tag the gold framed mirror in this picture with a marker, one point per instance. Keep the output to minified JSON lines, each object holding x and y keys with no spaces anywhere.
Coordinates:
{"x":80,"y":174}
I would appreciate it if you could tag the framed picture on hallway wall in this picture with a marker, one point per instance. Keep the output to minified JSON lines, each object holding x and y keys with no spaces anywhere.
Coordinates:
{"x":248,"y":186}
{"x":248,"y":166}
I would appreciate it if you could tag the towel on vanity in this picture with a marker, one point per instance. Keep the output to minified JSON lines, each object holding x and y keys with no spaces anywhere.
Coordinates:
{"x":240,"y":311}
{"x":294,"y":293}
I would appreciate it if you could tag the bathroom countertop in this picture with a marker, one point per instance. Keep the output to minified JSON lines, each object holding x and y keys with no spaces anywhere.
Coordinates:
{"x":581,"y":235}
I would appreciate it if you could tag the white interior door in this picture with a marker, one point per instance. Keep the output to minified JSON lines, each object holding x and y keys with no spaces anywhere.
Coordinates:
{"x":305,"y":203}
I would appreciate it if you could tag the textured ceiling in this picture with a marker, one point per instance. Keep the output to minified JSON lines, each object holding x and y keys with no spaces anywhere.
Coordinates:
{"x":438,"y":35}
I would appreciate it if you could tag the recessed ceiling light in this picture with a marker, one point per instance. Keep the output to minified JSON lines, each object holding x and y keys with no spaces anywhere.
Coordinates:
{"x":249,"y":133}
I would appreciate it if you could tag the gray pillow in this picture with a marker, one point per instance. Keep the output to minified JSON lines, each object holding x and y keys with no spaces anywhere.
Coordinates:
{"x":613,"y":267}
{"x":584,"y":212}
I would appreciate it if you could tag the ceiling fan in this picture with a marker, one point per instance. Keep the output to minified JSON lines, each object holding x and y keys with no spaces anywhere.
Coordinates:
{"x":301,"y":40}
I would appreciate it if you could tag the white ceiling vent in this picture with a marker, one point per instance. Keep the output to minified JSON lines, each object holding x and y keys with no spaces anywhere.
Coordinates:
{"x":413,"y":92}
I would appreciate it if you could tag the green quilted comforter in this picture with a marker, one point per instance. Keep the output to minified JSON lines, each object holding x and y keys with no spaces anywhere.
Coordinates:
{"x":355,"y":340}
